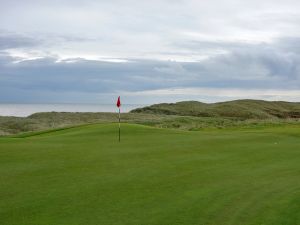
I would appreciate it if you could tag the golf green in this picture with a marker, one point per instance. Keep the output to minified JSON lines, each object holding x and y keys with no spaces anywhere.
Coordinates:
{"x":84,"y":176}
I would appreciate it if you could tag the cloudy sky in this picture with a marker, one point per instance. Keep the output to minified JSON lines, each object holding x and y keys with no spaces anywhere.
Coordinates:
{"x":84,"y":51}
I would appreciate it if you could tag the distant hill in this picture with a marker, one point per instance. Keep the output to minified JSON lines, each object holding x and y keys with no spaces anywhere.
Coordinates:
{"x":190,"y":115}
{"x":246,"y":109}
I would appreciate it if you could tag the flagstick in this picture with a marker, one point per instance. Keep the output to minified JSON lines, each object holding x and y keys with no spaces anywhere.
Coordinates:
{"x":119,"y":124}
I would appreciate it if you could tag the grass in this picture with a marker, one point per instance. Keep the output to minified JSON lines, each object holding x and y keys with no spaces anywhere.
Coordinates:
{"x":243,"y":109}
{"x":82,"y":175}
{"x":54,"y":120}
{"x":189,"y":115}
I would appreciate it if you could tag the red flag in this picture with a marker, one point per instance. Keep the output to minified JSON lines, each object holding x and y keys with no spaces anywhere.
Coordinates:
{"x":119,"y":102}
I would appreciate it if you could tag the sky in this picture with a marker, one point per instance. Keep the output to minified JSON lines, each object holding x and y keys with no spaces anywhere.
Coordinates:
{"x":85,"y":51}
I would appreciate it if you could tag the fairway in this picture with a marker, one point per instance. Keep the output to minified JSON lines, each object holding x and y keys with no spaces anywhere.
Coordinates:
{"x":83,"y":176}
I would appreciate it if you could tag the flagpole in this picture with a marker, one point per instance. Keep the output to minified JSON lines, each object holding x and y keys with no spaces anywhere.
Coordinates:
{"x":119,"y":106}
{"x":119,"y":124}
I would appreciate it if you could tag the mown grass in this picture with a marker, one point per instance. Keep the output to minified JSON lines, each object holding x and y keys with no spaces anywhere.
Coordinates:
{"x":154,"y":176}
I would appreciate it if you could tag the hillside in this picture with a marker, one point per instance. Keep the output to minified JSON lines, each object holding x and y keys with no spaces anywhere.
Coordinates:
{"x":53,"y":120}
{"x":246,"y":109}
{"x":182,"y":115}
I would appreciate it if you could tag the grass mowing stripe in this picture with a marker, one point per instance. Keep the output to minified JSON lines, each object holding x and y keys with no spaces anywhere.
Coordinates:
{"x":153,"y":177}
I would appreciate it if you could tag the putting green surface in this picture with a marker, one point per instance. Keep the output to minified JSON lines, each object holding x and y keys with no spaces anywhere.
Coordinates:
{"x":83,"y":176}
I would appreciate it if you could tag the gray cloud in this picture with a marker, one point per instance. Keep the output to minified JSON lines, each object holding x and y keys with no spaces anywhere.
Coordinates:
{"x":245,"y":67}
{"x":12,"y":41}
{"x":91,"y":50}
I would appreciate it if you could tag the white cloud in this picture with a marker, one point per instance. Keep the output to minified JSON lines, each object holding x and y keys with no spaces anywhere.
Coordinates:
{"x":134,"y":45}
{"x":145,"y":29}
{"x":218,"y":94}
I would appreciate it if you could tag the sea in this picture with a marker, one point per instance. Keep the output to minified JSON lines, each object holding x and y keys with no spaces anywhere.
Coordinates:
{"x":24,"y":110}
